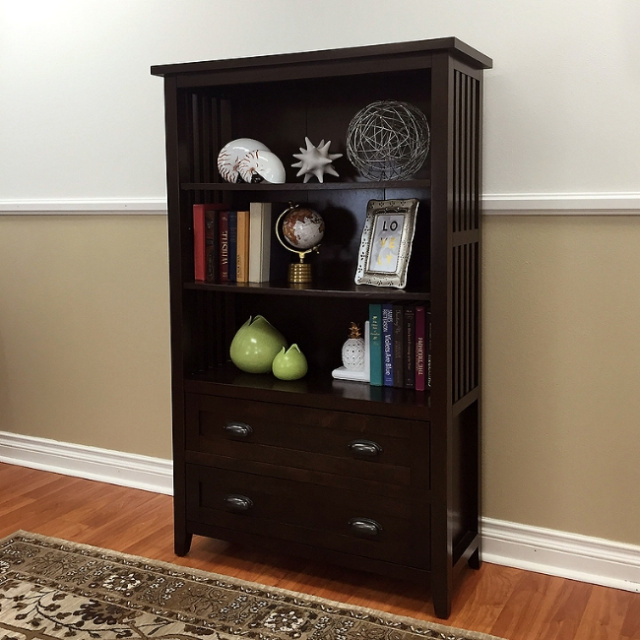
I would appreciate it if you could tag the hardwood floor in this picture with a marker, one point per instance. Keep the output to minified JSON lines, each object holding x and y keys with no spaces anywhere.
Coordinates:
{"x":510,"y":603}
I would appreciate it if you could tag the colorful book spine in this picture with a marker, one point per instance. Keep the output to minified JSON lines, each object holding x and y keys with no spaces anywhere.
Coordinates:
{"x":203,"y":235}
{"x":398,"y":345}
{"x":409,"y":344}
{"x":223,"y":246}
{"x":428,"y":347}
{"x":211,"y":245}
{"x":421,"y":349}
{"x":387,"y":345}
{"x":259,"y":241}
{"x":375,"y":345}
{"x":242,"y":247}
{"x":233,"y":245}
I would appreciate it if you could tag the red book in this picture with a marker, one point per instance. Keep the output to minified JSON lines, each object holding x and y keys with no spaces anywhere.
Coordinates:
{"x":421,"y":348}
{"x":223,"y":246}
{"x":200,"y":234}
{"x":409,"y":344}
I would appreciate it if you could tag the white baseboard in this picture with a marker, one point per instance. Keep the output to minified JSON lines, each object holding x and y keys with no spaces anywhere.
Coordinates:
{"x":556,"y":553}
{"x":114,"y":467}
{"x":567,"y":555}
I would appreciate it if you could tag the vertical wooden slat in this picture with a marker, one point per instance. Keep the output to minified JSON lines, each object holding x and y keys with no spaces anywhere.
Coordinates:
{"x":471,"y":159}
{"x":465,"y":218}
{"x":206,"y":129}
{"x":455,"y":346}
{"x":464,"y":321}
{"x":466,"y":161}
{"x":464,"y":156}
{"x":194,"y":174}
{"x":455,"y":143}
{"x":469,"y":318}
{"x":476,"y":314}
{"x":474,"y":153}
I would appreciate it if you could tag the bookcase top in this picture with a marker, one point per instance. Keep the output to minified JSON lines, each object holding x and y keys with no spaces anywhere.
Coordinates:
{"x":417,"y":50}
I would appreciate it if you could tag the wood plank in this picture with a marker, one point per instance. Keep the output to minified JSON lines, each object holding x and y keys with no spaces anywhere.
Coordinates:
{"x":609,"y":614}
{"x":506,"y":602}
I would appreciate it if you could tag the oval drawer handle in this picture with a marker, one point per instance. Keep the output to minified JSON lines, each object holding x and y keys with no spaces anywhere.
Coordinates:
{"x":237,"y":430}
{"x":365,"y":449}
{"x":238,"y":503}
{"x":365,"y":527}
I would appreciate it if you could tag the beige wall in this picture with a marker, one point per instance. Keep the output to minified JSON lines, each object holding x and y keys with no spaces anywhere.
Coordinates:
{"x":84,"y":330}
{"x":562,"y":373}
{"x":84,"y":354}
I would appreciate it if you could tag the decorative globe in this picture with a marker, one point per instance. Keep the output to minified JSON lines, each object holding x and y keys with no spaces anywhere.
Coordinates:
{"x":388,"y":140}
{"x":303,"y":228}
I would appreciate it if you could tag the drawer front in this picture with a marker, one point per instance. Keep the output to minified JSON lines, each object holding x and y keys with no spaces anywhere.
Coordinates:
{"x":347,"y":521}
{"x":350,"y":445}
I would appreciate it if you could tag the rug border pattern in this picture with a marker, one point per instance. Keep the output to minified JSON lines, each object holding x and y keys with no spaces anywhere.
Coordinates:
{"x":175,"y":570}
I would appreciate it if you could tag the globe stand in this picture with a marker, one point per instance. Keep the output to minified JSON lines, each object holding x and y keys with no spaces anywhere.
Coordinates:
{"x":299,"y":273}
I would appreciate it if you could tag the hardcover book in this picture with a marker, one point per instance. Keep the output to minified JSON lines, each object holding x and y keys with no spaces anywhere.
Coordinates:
{"x":242,"y":246}
{"x":233,"y":245}
{"x":375,"y":345}
{"x":421,"y":349}
{"x":259,"y":241}
{"x":387,"y":345}
{"x":223,"y":246}
{"x":398,"y":345}
{"x":409,"y":346}
{"x":428,"y":347}
{"x":201,"y":250}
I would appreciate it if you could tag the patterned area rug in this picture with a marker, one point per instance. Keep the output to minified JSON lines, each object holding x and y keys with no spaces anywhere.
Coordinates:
{"x":51,"y":588}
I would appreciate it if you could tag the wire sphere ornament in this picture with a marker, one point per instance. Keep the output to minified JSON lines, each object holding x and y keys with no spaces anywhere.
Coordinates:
{"x":388,"y":140}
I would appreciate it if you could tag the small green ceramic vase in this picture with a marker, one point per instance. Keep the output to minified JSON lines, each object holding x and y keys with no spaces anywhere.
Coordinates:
{"x":290,"y":364}
{"x":255,"y":345}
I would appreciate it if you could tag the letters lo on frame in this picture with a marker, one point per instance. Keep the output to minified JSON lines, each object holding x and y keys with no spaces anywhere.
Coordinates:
{"x":385,"y":247}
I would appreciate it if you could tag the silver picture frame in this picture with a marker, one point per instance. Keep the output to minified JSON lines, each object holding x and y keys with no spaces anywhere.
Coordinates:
{"x":385,"y":245}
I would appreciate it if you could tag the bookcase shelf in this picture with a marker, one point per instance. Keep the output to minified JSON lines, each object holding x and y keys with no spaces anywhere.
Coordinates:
{"x":300,"y":186}
{"x":315,"y":389}
{"x":308,"y":442}
{"x":318,"y":289}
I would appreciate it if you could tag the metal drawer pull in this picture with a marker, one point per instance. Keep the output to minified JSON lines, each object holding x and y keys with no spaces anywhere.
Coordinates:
{"x":365,"y":527}
{"x":237,"y":430}
{"x":238,"y":503}
{"x":365,"y":449}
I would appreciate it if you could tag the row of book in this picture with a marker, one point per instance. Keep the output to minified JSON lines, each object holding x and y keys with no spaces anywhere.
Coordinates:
{"x":399,"y":346}
{"x":232,"y":246}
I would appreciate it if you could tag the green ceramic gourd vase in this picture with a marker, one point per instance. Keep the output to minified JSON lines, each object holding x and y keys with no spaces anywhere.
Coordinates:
{"x":255,"y":345}
{"x":290,"y":364}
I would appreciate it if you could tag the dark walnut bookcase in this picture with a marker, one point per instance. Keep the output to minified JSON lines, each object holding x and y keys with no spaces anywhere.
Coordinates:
{"x":294,"y":480}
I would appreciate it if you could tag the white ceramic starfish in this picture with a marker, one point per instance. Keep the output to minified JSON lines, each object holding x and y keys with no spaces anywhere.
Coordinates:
{"x":316,"y":161}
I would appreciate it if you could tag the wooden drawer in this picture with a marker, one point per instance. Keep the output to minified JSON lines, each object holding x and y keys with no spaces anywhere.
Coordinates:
{"x":349,"y":521}
{"x":251,"y":436}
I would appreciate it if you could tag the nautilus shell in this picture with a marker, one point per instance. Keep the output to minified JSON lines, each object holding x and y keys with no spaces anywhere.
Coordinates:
{"x":231,"y":154}
{"x":261,"y":166}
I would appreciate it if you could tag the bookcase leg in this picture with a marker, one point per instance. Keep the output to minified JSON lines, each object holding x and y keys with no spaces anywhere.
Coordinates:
{"x":442,"y":602}
{"x":182,"y":542}
{"x":474,"y":559}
